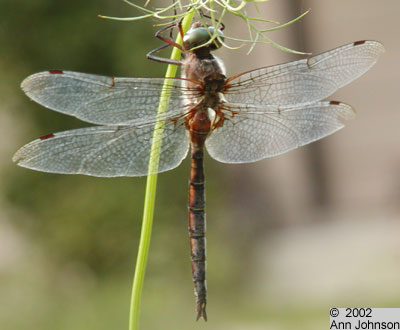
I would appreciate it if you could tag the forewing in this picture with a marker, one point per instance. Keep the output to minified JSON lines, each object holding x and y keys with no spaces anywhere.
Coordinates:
{"x":104,"y":100}
{"x":104,"y":151}
{"x":305,"y":81}
{"x":261,"y":133}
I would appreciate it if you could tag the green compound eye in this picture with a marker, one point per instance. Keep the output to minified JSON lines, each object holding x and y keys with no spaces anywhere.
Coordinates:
{"x":201,"y":35}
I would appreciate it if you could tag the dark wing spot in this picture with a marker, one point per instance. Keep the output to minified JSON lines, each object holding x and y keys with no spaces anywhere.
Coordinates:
{"x":334,"y":102}
{"x":48,"y":136}
{"x":359,"y":42}
{"x":56,"y":71}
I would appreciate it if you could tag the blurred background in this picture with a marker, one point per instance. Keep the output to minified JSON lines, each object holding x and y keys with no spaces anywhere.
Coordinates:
{"x":288,"y":237}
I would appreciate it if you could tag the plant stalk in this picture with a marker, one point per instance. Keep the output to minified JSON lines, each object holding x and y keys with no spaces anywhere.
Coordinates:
{"x":150,"y":194}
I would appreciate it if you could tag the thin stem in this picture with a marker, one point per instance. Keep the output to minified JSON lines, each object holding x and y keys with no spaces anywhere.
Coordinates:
{"x":150,"y":194}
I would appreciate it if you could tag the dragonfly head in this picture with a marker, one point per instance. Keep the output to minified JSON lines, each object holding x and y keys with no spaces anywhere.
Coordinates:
{"x":201,"y":35}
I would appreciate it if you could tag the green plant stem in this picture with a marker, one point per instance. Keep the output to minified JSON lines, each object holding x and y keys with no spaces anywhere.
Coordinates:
{"x":150,"y":194}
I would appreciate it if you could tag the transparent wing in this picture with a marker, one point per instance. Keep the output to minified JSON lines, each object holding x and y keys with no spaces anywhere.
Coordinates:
{"x":305,"y":81}
{"x":260,"y":133}
{"x":105,"y":151}
{"x":104,"y":100}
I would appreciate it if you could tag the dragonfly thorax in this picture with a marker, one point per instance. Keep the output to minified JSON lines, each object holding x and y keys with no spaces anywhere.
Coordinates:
{"x":203,"y":68}
{"x":207,"y":75}
{"x":214,"y":83}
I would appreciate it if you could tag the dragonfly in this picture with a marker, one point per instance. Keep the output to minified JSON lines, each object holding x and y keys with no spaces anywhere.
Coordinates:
{"x":242,"y":119}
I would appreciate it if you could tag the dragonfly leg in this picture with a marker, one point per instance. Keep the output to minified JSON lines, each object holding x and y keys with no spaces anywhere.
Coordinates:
{"x":168,"y":42}
{"x":221,"y":25}
{"x":152,"y":57}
